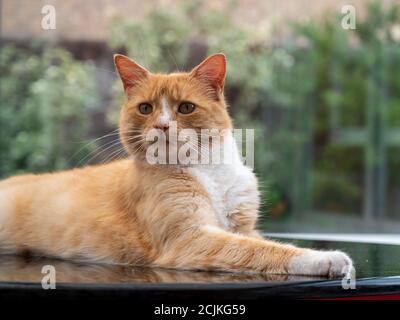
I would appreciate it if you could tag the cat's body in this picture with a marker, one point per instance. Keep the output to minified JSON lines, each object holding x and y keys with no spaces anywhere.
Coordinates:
{"x":131,"y":212}
{"x":80,"y":214}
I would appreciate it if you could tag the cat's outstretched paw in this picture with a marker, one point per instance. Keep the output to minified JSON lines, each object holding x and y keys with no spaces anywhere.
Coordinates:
{"x":320,"y":263}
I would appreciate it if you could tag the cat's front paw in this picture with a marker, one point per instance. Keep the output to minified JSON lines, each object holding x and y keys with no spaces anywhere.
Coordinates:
{"x":320,"y":263}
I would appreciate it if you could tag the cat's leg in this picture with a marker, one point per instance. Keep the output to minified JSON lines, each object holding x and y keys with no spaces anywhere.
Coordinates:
{"x":209,"y":247}
{"x":186,"y":236}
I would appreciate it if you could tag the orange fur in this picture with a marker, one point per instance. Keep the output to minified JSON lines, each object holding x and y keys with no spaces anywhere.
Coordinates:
{"x":131,"y":212}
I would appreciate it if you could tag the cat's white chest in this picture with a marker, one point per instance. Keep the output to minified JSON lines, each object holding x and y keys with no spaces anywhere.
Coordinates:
{"x":227,"y":187}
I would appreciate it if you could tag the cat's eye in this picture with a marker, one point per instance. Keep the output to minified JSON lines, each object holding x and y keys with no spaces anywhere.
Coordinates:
{"x":186,"y":107}
{"x":145,"y":108}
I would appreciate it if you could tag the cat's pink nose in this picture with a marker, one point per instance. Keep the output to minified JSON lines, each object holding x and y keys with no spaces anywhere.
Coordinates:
{"x":163,"y":127}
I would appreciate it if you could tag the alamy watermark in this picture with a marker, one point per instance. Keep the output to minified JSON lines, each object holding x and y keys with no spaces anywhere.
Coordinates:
{"x":49,"y":17}
{"x":49,"y":278}
{"x":348,"y":21}
{"x":349,"y":279}
{"x":205,"y":146}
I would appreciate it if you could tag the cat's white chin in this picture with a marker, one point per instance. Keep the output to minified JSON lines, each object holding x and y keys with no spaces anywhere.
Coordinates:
{"x":321,"y":263}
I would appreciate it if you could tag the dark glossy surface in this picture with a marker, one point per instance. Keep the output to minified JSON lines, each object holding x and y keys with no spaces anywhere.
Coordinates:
{"x":371,"y":260}
{"x":377,"y":271}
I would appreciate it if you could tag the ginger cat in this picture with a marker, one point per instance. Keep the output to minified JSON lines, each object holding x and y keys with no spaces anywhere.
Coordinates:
{"x":196,"y":216}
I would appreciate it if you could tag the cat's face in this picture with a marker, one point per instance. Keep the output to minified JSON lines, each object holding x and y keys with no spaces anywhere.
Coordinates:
{"x":191,"y":100}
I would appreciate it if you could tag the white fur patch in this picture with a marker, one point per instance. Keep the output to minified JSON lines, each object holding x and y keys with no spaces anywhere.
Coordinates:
{"x":320,"y":263}
{"x":165,"y":117}
{"x":227,"y":185}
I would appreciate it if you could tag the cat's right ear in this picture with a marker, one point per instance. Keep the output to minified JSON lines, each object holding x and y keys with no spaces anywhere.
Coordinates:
{"x":130,"y":72}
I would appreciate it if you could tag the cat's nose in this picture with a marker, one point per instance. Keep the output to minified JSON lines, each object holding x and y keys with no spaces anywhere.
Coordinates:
{"x":161,"y":126}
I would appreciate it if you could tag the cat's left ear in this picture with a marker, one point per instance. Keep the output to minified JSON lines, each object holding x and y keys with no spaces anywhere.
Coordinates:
{"x":212,"y":71}
{"x":130,"y":72}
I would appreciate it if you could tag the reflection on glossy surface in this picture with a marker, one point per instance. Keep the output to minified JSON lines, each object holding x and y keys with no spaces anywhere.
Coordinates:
{"x":370,"y":260}
{"x":28,"y":269}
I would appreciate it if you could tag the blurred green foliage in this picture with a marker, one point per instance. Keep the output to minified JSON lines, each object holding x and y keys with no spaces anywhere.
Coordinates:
{"x":43,"y":109}
{"x":353,"y":84}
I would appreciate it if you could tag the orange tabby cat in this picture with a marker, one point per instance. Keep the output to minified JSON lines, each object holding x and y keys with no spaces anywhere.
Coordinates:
{"x":133,"y":212}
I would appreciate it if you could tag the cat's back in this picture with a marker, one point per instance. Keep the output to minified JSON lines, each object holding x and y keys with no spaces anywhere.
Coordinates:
{"x":92,"y":172}
{"x":59,"y":193}
{"x":49,"y":210}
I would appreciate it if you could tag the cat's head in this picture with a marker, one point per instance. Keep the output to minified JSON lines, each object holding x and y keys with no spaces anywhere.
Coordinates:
{"x":188,"y":100}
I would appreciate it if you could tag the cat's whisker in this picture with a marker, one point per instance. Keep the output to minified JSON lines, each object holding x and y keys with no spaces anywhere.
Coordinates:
{"x":112,"y":133}
{"x":94,"y":153}
{"x":137,"y":149}
{"x":133,"y":130}
{"x":114,"y":155}
{"x":121,"y":150}
{"x":115,"y":143}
